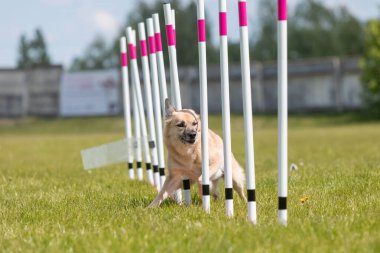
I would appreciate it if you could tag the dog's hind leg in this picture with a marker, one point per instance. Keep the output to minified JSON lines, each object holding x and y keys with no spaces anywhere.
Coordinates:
{"x":177,"y":195}
{"x":238,"y":180}
{"x":171,"y":184}
{"x":214,"y":188}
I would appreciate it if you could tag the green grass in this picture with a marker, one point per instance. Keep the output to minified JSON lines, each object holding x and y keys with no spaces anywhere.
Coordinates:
{"x":48,"y":203}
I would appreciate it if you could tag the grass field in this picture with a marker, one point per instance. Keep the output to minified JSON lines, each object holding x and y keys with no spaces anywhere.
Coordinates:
{"x":48,"y":203}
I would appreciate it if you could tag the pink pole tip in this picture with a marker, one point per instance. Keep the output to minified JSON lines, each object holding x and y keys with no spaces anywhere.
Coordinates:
{"x":222,"y":23}
{"x":143,"y":48}
{"x":201,"y":30}
{"x":157,"y":37}
{"x":170,"y":35}
{"x":282,"y":10}
{"x":152,"y":47}
{"x":124,"y":62}
{"x":243,"y":13}
{"x":132,"y":51}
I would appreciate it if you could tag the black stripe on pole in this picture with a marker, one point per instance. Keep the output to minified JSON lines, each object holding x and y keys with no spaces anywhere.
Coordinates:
{"x":205,"y":190}
{"x":229,"y":193}
{"x":281,"y":203}
{"x":155,"y":168}
{"x":130,"y":166}
{"x":162,"y":171}
{"x":251,"y":195}
{"x":151,"y":144}
{"x":138,"y":165}
{"x":186,"y":184}
{"x":147,"y":166}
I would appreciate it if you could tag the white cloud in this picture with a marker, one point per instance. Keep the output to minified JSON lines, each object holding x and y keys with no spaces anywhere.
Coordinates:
{"x":106,"y":23}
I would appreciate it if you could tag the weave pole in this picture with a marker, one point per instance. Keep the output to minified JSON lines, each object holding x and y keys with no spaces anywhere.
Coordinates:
{"x":204,"y":104}
{"x":156,"y":99}
{"x":137,"y":139}
{"x":131,"y":38}
{"x":137,"y":129}
{"x":174,"y":76}
{"x":225,"y":107}
{"x":247,"y":108}
{"x":126,"y":100}
{"x":160,"y":62}
{"x":172,"y":91}
{"x":161,"y":75}
{"x":149,"y":106}
{"x":282,"y":66}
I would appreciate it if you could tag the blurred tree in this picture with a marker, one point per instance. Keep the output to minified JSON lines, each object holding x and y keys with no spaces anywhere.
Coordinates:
{"x":96,"y":56}
{"x":350,"y":33}
{"x":314,"y":30}
{"x":185,"y":17}
{"x":187,"y":50}
{"x":370,"y":64}
{"x":23,"y":53}
{"x":33,"y":52}
{"x":265,"y":47}
{"x":38,"y":49}
{"x":317,"y":31}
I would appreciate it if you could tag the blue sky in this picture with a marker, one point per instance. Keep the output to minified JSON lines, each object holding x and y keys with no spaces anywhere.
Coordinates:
{"x":70,"y":25}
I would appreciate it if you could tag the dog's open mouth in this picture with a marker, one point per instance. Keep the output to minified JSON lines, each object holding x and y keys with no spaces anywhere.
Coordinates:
{"x":188,"y":140}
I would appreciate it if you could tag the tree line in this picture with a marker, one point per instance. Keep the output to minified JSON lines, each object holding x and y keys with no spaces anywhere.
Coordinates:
{"x":314,"y":30}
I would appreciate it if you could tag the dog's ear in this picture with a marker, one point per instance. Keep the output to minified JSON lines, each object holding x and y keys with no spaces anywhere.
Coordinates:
{"x":169,"y":108}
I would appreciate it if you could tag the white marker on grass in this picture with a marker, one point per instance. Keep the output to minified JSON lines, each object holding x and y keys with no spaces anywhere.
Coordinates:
{"x":282,"y":62}
{"x":204,"y":105}
{"x":225,"y":107}
{"x":247,"y":107}
{"x":149,"y":106}
{"x":156,"y":99}
{"x":131,"y":38}
{"x":126,"y":100}
{"x":174,"y":76}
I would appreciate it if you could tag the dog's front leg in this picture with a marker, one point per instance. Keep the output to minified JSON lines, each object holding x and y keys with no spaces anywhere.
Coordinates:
{"x":170,"y":185}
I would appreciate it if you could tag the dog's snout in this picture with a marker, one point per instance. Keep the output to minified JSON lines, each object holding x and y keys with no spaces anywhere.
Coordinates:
{"x":192,"y":135}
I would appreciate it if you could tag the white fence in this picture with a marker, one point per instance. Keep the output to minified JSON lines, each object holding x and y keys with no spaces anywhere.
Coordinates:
{"x":330,"y":85}
{"x":90,"y":93}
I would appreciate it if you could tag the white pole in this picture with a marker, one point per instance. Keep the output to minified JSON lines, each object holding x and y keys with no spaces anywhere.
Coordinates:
{"x":163,"y":85}
{"x":160,"y":62}
{"x":172,"y":85}
{"x":225,"y":107}
{"x":156,"y":99}
{"x":131,"y":38}
{"x":204,"y":104}
{"x":149,"y":106}
{"x":247,"y":107}
{"x":174,"y":75}
{"x":137,"y":141}
{"x":282,"y":62}
{"x":126,"y":96}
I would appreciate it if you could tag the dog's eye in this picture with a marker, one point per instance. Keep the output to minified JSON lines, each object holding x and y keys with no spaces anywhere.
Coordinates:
{"x":195,"y":123}
{"x":181,"y":124}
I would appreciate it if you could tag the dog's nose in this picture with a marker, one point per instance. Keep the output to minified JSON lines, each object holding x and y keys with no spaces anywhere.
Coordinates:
{"x":192,"y":135}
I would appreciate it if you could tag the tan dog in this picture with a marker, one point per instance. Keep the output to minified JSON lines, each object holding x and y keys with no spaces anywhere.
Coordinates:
{"x":182,"y":137}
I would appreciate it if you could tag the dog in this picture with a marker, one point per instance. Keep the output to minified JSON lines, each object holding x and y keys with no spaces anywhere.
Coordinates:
{"x":182,"y":137}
